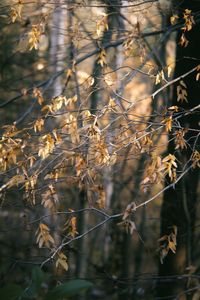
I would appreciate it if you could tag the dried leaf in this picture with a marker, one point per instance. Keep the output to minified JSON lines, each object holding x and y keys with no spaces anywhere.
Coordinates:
{"x":160,"y":77}
{"x":43,"y":236}
{"x":15,"y":12}
{"x":173,"y":19}
{"x":183,"y":41}
{"x":168,"y":123}
{"x":102,"y":58}
{"x":38,"y":94}
{"x":38,"y":125}
{"x":15,"y":180}
{"x":179,"y":139}
{"x":195,"y":159}
{"x":129,"y":210}
{"x":62,"y":261}
{"x":182,"y":92}
{"x":167,"y":242}
{"x":169,"y":166}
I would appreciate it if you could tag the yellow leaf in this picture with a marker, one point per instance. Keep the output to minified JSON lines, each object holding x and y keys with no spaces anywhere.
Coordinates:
{"x":15,"y":12}
{"x":167,"y":242}
{"x":183,"y":41}
{"x":17,"y":179}
{"x":31,"y":160}
{"x":85,"y":79}
{"x":169,"y":71}
{"x":113,"y":158}
{"x":168,"y":123}
{"x":62,"y":261}
{"x":169,"y":166}
{"x":179,"y":139}
{"x":173,"y":108}
{"x":38,"y":94}
{"x":38,"y":125}
{"x":69,"y":73}
{"x":182,"y":92}
{"x":173,"y":19}
{"x":159,"y":77}
{"x":172,"y":246}
{"x":102,"y":25}
{"x":112,"y":103}
{"x":102,"y":58}
{"x":43,"y":236}
{"x":195,"y":159}
{"x":34,"y":37}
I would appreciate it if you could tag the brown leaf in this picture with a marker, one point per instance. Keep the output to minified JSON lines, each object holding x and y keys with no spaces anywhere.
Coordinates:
{"x":129,"y":209}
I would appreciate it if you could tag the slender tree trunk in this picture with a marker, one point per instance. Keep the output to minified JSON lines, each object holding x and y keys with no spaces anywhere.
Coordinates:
{"x":113,"y":57}
{"x":179,"y":204}
{"x":57,"y":39}
{"x":57,"y":54}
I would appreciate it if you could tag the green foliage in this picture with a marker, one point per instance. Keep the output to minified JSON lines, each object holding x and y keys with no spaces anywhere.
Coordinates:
{"x":10,"y":292}
{"x":36,"y":290}
{"x":69,"y":289}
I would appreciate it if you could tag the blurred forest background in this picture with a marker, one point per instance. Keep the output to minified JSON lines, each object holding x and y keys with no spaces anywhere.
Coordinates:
{"x":99,"y":149}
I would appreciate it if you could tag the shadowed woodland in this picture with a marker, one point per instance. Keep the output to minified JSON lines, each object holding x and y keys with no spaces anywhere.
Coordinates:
{"x":99,"y":149}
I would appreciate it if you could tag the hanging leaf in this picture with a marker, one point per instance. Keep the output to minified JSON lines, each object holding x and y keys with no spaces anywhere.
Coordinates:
{"x":179,"y":139}
{"x":169,"y":166}
{"x":173,"y":19}
{"x":62,"y":261}
{"x":43,"y":236}
{"x":198,"y":73}
{"x":168,"y":123}
{"x":102,"y":58}
{"x":182,"y":92}
{"x":34,"y":37}
{"x":16,"y":11}
{"x":195,"y":159}
{"x":168,"y":242}
{"x":129,"y":210}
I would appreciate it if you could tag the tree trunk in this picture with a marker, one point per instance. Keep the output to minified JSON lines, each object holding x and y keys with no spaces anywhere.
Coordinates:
{"x":57,"y":48}
{"x":179,"y":203}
